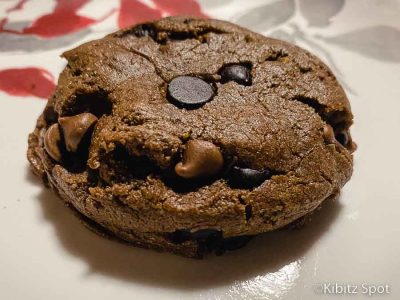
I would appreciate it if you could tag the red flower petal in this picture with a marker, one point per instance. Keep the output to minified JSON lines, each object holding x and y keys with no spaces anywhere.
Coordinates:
{"x":133,"y":11}
{"x":27,"y":82}
{"x":180,"y":7}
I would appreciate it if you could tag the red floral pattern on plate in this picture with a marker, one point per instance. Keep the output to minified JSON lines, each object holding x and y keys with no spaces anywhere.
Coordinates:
{"x":27,"y":82}
{"x":180,"y":7}
{"x":65,"y":19}
{"x":134,"y":11}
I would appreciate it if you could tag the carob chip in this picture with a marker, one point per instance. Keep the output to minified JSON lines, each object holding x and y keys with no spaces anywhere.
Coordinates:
{"x":200,"y":159}
{"x":75,"y":128}
{"x":52,"y":140}
{"x":189,"y":92}
{"x":247,"y":178}
{"x":236,"y":72}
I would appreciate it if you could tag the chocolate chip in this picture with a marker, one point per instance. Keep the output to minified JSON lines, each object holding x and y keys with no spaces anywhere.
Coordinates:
{"x":52,"y":142}
{"x":179,"y":236}
{"x":200,"y":159}
{"x":208,"y":238}
{"x":205,"y":234}
{"x":236,"y":72}
{"x":235,"y":242}
{"x":248,"y":210}
{"x":328,"y":134}
{"x":75,"y":128}
{"x":189,"y":92}
{"x":343,"y":138}
{"x":247,"y":178}
{"x":144,"y":30}
{"x":352,"y":147}
{"x":50,"y":115}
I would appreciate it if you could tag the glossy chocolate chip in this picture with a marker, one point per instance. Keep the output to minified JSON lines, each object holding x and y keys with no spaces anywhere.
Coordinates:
{"x":144,"y":30}
{"x":189,"y":92}
{"x":200,"y":159}
{"x":343,"y":138}
{"x":236,"y":72}
{"x":247,"y":178}
{"x":52,"y":142}
{"x":75,"y":128}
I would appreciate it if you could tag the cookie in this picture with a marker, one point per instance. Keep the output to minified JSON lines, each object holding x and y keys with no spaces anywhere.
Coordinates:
{"x":191,"y":135}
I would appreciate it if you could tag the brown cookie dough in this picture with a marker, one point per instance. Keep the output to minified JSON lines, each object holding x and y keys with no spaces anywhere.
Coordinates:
{"x":191,"y":135}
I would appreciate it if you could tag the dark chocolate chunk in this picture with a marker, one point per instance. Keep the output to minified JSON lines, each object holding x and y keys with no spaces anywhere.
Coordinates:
{"x":247,"y":178}
{"x":236,"y":72}
{"x":189,"y":92}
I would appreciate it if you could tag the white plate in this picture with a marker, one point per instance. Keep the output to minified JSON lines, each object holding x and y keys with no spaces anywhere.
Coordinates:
{"x":45,"y":253}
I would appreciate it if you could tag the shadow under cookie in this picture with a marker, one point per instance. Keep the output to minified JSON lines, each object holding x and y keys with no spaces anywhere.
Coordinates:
{"x":264,"y":254}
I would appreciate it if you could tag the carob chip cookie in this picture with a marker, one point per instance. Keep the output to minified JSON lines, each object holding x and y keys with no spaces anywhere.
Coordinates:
{"x":191,"y":135}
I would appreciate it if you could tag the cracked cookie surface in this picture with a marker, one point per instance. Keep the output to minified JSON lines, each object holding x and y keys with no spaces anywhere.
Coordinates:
{"x":265,"y":142}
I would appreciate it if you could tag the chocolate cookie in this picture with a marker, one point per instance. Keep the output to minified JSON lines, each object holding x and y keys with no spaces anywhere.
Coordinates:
{"x":191,"y":135}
